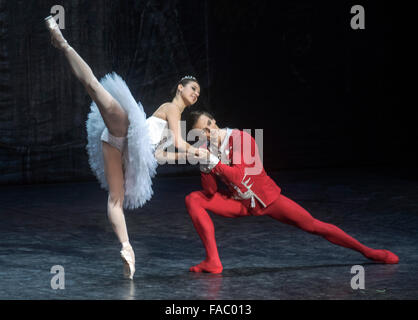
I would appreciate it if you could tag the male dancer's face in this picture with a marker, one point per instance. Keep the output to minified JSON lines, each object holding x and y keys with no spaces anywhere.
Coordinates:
{"x":208,"y":127}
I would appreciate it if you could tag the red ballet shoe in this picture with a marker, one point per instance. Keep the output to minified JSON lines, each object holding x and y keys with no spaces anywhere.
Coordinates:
{"x":384,"y":256}
{"x":205,"y":266}
{"x":391,"y":258}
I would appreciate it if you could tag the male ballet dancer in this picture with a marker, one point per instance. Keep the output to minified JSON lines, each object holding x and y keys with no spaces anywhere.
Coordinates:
{"x":251,"y":192}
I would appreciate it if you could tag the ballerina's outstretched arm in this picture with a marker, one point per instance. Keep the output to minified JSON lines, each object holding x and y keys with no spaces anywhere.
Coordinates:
{"x":163,"y":156}
{"x":173,"y":119}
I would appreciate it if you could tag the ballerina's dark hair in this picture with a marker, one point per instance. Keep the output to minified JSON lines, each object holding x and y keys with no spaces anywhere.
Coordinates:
{"x":183,"y":81}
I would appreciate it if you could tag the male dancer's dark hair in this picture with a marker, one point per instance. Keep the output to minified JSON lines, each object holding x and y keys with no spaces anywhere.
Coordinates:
{"x":193,"y":116}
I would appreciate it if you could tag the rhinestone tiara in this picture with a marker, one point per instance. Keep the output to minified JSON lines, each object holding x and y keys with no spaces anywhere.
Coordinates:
{"x":188,"y":78}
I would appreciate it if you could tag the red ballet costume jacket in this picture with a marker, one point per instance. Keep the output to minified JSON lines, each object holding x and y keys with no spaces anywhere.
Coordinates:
{"x":252,"y":192}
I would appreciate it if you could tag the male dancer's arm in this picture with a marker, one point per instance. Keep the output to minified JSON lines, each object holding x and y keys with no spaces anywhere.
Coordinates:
{"x":235,"y":172}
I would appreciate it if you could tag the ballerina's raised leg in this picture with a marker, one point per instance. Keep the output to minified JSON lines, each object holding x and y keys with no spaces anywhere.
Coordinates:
{"x":117,"y":123}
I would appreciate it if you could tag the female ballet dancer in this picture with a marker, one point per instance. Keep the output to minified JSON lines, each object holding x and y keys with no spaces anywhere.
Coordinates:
{"x":122,"y":142}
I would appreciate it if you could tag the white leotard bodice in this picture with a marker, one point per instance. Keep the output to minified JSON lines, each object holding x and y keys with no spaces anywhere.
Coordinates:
{"x":159,"y":132}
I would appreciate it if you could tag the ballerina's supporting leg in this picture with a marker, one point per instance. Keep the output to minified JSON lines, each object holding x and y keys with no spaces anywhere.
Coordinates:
{"x":114,"y":177}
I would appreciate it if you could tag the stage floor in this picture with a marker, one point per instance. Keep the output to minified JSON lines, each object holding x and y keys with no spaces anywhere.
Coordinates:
{"x":66,"y":225}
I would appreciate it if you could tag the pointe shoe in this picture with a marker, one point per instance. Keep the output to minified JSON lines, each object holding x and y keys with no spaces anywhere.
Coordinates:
{"x":128,"y":259}
{"x":57,"y":38}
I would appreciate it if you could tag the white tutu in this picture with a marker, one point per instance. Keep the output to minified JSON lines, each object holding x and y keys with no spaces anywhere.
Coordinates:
{"x":139,"y":161}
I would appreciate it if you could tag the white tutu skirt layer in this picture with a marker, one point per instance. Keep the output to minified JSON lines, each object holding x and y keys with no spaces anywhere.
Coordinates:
{"x":138,"y":157}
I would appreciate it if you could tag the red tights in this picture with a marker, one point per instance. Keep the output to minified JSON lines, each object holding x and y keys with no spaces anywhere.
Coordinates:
{"x":282,"y":209}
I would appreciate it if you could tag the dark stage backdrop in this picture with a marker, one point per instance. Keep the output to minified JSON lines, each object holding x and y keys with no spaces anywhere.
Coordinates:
{"x":322,"y":92}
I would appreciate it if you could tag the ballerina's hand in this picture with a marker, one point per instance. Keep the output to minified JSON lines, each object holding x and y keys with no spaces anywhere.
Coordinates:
{"x":202,"y":155}
{"x":160,"y":154}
